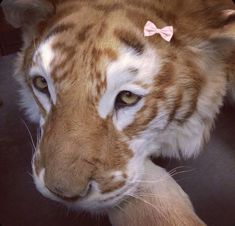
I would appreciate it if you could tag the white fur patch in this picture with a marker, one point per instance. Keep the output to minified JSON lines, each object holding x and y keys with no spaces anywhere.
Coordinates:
{"x":124,"y":75}
{"x":118,"y":176}
{"x":126,"y":116}
{"x":42,"y":59}
{"x":44,"y":56}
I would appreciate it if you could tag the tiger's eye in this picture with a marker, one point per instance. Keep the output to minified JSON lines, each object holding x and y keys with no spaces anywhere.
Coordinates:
{"x":126,"y":99}
{"x":40,"y":84}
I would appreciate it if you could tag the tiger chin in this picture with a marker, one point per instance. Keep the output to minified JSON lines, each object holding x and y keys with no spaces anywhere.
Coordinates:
{"x":106,"y":97}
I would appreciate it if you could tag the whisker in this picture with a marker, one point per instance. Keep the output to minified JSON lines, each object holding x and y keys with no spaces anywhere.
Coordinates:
{"x":178,"y":167}
{"x":122,"y":210}
{"x":152,"y":195}
{"x":150,"y":181}
{"x":158,"y":198}
{"x":30,"y":134}
{"x":150,"y":204}
{"x":30,"y":174}
{"x":162,"y":178}
{"x":180,"y":172}
{"x":172,"y":170}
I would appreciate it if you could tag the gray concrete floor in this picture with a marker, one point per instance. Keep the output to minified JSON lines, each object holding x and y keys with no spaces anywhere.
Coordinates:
{"x":209,"y":179}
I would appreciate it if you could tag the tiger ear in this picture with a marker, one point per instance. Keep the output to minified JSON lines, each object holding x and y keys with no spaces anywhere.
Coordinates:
{"x":228,"y":16}
{"x":221,"y":40}
{"x":225,"y":22}
{"x":21,"y":13}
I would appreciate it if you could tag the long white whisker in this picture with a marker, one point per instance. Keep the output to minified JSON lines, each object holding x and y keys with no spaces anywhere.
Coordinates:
{"x":122,"y":210}
{"x":180,"y":172}
{"x":150,"y":204}
{"x":152,"y":195}
{"x":178,"y":167}
{"x":172,"y":170}
{"x":30,"y":134}
{"x":151,"y":181}
{"x":162,"y":178}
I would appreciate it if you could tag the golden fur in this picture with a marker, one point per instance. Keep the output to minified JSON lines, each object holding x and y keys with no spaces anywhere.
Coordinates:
{"x":196,"y":70}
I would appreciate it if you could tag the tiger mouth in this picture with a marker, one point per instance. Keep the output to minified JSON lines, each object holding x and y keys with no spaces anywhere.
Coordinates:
{"x":111,"y":201}
{"x":121,"y":194}
{"x":100,"y":204}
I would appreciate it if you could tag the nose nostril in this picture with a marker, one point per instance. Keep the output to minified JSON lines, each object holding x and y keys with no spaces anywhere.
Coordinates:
{"x":87,"y":190}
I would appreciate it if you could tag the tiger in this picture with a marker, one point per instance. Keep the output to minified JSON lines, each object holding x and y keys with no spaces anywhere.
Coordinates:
{"x":106,"y":97}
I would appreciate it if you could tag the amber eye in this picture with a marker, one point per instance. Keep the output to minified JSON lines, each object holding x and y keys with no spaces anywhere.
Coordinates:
{"x":126,"y":99}
{"x":40,"y":84}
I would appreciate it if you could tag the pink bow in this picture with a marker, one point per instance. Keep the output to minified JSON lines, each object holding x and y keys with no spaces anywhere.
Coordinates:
{"x":166,"y":33}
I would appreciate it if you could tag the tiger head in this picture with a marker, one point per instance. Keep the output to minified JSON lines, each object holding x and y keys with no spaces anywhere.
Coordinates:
{"x":106,"y":97}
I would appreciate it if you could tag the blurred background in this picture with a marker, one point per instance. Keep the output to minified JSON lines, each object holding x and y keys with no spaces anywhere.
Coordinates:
{"x":209,"y":180}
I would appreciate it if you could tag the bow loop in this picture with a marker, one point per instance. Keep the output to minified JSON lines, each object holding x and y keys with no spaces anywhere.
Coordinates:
{"x":166,"y":33}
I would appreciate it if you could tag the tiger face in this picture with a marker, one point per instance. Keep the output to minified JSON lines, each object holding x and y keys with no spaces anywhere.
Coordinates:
{"x":106,"y":97}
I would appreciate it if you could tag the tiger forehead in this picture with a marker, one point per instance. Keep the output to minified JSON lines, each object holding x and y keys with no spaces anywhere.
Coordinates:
{"x":85,"y":56}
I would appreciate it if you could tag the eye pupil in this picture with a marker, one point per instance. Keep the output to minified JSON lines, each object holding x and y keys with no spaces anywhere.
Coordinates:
{"x":126,"y":99}
{"x":128,"y":94}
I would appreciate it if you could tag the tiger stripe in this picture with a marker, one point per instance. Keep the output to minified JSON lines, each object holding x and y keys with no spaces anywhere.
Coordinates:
{"x":90,"y":52}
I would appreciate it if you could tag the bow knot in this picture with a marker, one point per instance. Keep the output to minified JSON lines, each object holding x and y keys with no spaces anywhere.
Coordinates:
{"x":166,"y":33}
